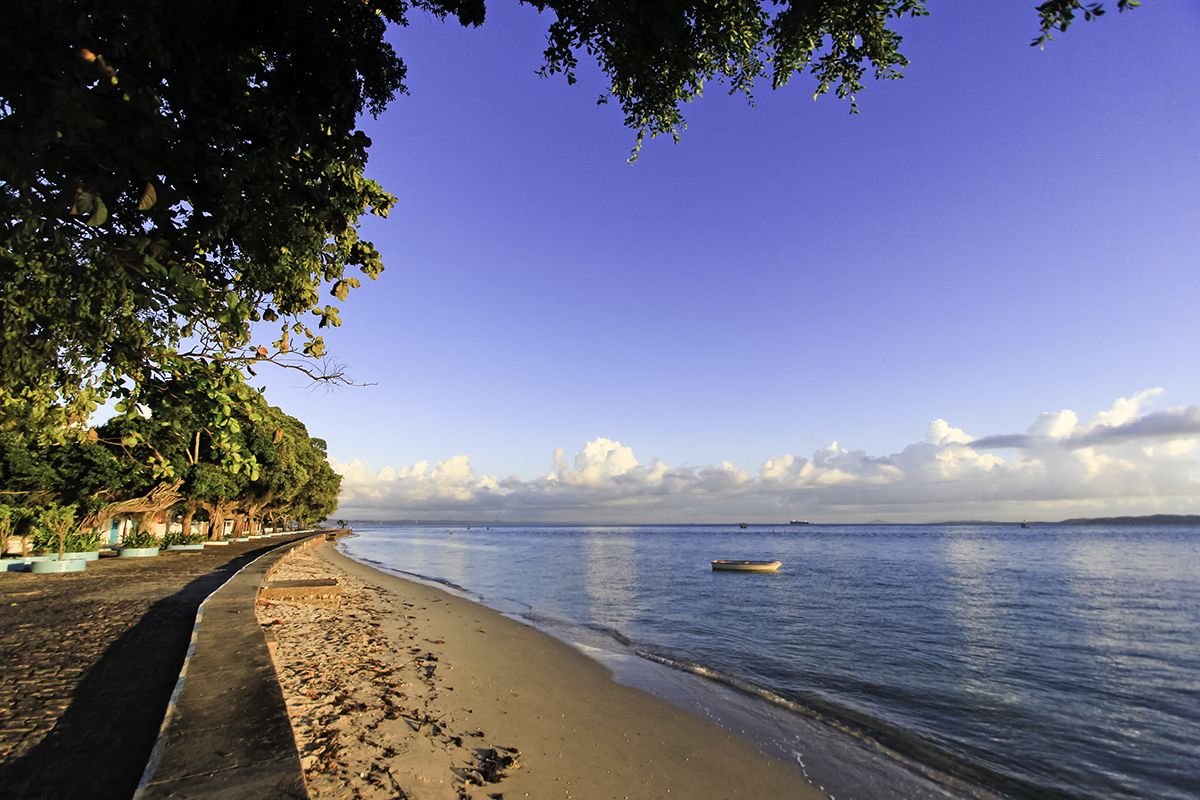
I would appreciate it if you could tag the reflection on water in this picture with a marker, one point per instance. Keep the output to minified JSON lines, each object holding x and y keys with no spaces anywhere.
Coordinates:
{"x":610,"y":576}
{"x":973,"y":560}
{"x":453,"y":561}
{"x":1128,"y":601}
{"x":1093,"y":574}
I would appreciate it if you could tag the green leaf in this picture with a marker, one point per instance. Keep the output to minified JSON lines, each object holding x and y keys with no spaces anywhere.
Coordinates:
{"x":100,"y":215}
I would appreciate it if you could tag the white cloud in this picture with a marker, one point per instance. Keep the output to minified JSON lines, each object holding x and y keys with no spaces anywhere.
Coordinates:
{"x":451,"y":481}
{"x":1055,"y":424}
{"x":599,"y":462}
{"x":1122,"y":460}
{"x":942,"y":432}
{"x":1124,"y":410}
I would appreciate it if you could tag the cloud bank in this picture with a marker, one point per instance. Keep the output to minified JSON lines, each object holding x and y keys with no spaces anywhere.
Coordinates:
{"x":1124,"y":460}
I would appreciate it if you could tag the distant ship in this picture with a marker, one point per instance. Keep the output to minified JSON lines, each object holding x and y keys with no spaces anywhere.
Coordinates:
{"x":799,"y":522}
{"x":1025,"y":524}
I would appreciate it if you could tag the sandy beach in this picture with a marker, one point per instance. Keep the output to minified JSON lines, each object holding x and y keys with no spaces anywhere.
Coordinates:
{"x":399,"y":689}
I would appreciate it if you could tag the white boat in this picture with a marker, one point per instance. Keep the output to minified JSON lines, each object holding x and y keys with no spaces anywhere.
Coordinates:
{"x":727,"y":565}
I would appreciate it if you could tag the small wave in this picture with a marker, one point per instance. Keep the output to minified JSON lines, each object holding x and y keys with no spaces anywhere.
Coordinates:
{"x":903,"y":746}
{"x":540,"y":619}
{"x":612,"y":633}
{"x":898,"y":744}
{"x":440,"y":581}
{"x":419,"y":576}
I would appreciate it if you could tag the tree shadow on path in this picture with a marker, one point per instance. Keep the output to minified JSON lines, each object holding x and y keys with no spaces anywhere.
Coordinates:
{"x":98,"y":749}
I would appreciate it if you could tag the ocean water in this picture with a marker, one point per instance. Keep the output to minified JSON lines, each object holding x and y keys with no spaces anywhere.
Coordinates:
{"x":1059,"y":661}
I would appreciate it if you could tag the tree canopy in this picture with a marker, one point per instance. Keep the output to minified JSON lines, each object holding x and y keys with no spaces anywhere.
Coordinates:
{"x":176,"y":454}
{"x":172,"y":174}
{"x":181,"y":187}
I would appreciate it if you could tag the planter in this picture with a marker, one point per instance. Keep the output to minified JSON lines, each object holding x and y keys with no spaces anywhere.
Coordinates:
{"x":220,"y":543}
{"x":137,"y":552}
{"x":23,"y":563}
{"x":86,"y":555}
{"x":66,"y":565}
{"x":240,"y":539}
{"x":188,"y":547}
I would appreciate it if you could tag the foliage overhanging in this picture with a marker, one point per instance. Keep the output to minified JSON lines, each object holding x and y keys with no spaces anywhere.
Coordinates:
{"x":181,"y":186}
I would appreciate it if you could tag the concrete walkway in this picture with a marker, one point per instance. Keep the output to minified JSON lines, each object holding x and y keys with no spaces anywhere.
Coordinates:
{"x":88,"y":663}
{"x":227,"y":732}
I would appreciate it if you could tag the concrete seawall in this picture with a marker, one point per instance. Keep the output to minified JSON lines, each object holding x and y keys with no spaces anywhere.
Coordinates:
{"x":226,"y":732}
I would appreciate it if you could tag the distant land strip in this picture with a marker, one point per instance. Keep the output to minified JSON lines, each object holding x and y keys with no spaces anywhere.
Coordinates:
{"x":1152,"y":519}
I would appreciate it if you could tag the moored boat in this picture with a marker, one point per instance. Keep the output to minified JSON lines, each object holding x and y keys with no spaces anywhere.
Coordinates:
{"x":728,"y":565}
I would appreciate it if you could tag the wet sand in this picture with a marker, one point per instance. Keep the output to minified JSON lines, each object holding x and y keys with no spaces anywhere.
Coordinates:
{"x":399,"y":689}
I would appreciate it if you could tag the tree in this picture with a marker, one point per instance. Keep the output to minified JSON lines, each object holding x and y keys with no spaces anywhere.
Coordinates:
{"x":98,"y":479}
{"x":172,"y":174}
{"x":217,"y":491}
{"x":281,"y":446}
{"x":204,"y":440}
{"x":319,"y":497}
{"x":189,"y":432}
{"x":27,"y":477}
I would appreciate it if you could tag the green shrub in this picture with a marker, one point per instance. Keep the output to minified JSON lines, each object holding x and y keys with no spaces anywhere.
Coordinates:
{"x":174,"y":537}
{"x":55,"y":525}
{"x":140,"y":539}
{"x":42,"y":540}
{"x":82,"y":541}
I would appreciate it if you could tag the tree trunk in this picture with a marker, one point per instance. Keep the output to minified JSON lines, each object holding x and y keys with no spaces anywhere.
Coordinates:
{"x":185,"y":521}
{"x":253,"y":517}
{"x":216,"y":518}
{"x":145,"y":520}
{"x":160,"y":498}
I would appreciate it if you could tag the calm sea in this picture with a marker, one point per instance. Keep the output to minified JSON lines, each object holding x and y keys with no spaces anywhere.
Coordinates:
{"x":1053,"y":661}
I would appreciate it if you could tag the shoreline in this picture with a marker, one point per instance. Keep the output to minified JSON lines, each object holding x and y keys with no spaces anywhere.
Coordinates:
{"x":837,"y":751}
{"x":408,"y":687}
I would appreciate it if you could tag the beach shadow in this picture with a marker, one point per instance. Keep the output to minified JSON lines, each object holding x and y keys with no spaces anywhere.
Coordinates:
{"x":98,"y":749}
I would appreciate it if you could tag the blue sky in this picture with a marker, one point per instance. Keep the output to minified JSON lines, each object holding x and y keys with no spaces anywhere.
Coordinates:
{"x":1004,"y":232}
